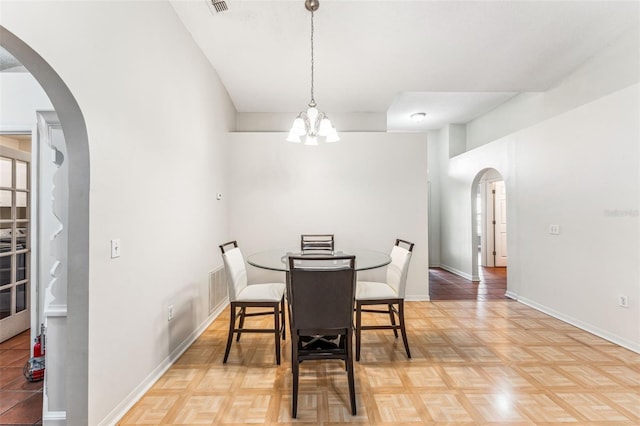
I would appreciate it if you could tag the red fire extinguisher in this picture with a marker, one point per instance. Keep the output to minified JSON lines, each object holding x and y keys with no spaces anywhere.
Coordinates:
{"x":37,"y":348}
{"x":34,"y":368}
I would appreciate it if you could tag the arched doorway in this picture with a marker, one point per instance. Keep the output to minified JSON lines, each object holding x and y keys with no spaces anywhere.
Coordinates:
{"x":488,"y":221}
{"x":70,"y":344}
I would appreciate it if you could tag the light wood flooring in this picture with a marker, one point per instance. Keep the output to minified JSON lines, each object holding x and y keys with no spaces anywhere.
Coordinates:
{"x":474,"y":362}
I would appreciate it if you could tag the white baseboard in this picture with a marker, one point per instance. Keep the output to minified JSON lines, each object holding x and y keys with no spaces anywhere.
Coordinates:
{"x":417,"y":298}
{"x":125,"y":405}
{"x":54,"y":418}
{"x":632,"y":346}
{"x":460,"y":273}
{"x":511,"y":295}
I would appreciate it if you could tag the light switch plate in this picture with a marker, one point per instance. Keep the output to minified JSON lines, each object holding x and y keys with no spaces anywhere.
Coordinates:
{"x":115,"y":248}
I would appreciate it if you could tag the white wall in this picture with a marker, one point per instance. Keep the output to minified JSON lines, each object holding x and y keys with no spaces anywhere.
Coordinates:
{"x":433,"y":170}
{"x":157,"y":119}
{"x":596,"y":256}
{"x":20,"y":97}
{"x":579,"y":170}
{"x":368,"y":189}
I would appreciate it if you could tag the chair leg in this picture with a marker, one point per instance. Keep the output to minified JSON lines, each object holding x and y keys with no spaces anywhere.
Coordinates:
{"x":241,"y":325}
{"x":295,"y":366}
{"x":402,"y":328}
{"x":276,"y":330}
{"x":232,"y":323}
{"x":284,"y":330}
{"x":393,"y":320}
{"x":358,"y":328}
{"x":352,"y":386}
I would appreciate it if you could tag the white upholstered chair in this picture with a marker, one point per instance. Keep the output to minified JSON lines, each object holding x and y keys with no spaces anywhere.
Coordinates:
{"x":243,"y":295}
{"x":390,"y":293}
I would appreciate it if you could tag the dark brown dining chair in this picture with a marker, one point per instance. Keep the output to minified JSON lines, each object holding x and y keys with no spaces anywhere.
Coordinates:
{"x":321,"y":292}
{"x":243,"y":296}
{"x":389,"y":293}
{"x":317,"y":243}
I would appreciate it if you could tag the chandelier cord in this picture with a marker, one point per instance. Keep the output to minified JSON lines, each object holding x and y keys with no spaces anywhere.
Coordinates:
{"x":313,"y":101}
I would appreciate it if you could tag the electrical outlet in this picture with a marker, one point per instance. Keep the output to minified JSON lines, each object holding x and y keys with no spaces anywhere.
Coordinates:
{"x":170,"y":314}
{"x":623,"y":301}
{"x":554,"y":229}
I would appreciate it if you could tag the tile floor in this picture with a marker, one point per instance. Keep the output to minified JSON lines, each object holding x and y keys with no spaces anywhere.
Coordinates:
{"x":475,"y":362}
{"x":20,"y":400}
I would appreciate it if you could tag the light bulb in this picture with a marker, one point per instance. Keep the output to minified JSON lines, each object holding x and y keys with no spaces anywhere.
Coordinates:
{"x":332,"y":136}
{"x":418,"y":117}
{"x":298,"y":127}
{"x":293,"y":137}
{"x":312,"y":113}
{"x":325,"y":127}
{"x":311,"y":140}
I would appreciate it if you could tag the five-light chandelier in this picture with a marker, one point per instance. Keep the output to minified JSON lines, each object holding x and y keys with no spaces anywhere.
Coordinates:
{"x":311,"y":122}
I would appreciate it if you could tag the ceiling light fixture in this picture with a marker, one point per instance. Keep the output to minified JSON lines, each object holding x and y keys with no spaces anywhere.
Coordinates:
{"x":418,"y":117}
{"x":311,"y":122}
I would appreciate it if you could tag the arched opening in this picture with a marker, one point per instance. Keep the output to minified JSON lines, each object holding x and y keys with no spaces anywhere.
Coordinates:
{"x":73,"y":344}
{"x":488,"y":223}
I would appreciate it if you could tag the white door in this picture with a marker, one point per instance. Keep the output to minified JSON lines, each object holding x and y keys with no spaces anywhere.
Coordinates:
{"x":15,"y":316}
{"x":500,"y":220}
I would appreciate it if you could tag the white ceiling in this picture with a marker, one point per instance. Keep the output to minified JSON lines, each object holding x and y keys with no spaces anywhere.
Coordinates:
{"x":452,"y":59}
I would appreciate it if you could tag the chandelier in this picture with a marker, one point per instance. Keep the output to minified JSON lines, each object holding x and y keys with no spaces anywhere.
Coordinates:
{"x":311,"y":122}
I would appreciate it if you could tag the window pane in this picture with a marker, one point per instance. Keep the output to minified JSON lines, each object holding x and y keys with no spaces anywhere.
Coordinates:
{"x":22,"y":175}
{"x":22,"y":235}
{"x":5,"y":237}
{"x":5,"y":270}
{"x":5,"y":303}
{"x":21,"y":205}
{"x":21,"y":265}
{"x":21,"y":297}
{"x":6,"y":172}
{"x":5,"y":204}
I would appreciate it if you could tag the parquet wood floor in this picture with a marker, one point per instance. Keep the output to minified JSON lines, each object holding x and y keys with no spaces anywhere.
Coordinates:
{"x":474,"y":362}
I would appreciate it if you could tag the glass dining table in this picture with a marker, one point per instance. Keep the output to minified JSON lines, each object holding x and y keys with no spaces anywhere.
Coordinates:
{"x":276,"y":259}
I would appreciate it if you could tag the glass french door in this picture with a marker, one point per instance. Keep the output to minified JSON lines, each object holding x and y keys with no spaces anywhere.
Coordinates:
{"x":14,"y":242}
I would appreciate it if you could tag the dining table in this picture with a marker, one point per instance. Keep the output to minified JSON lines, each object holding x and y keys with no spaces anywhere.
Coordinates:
{"x":277,"y":259}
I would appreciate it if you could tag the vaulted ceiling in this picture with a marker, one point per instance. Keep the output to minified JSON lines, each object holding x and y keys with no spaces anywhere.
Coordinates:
{"x":452,"y":59}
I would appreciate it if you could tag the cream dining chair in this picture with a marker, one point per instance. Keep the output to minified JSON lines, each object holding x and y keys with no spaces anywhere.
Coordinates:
{"x":243,"y":296}
{"x":390,"y":293}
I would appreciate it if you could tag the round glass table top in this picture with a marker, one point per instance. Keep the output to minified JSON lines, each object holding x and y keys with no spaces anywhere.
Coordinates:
{"x":276,"y":259}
